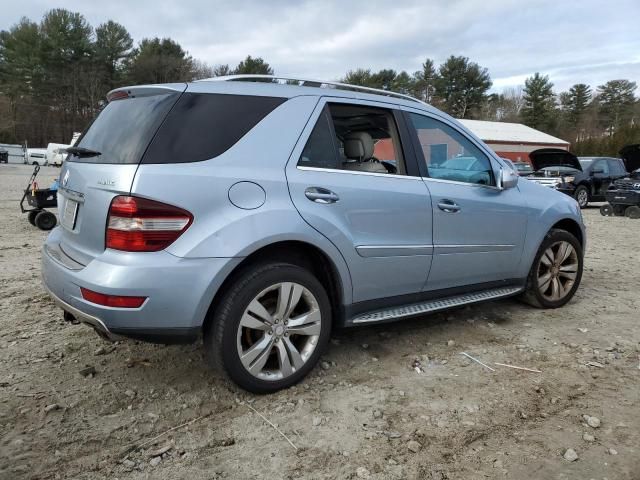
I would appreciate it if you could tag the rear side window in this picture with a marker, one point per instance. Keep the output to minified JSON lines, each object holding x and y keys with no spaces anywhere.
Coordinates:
{"x":203,"y":126}
{"x":320,"y":150}
{"x":124,"y":128}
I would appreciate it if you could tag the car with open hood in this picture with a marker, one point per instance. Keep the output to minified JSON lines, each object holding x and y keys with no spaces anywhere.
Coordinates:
{"x":623,"y":194}
{"x":584,"y":178}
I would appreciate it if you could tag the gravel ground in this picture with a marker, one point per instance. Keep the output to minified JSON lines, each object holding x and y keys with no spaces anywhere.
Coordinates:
{"x":154,"y":411}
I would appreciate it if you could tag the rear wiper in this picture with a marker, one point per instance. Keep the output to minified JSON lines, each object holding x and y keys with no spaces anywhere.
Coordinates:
{"x":82,"y":152}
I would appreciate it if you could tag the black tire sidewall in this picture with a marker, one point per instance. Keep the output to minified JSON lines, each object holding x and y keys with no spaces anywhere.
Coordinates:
{"x":31,"y":217}
{"x":45,"y":220}
{"x":220,"y":340}
{"x":532,"y":283}
{"x":632,"y":212}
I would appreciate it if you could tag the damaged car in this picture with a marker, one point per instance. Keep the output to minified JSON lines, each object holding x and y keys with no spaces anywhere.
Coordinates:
{"x":586,"y":179}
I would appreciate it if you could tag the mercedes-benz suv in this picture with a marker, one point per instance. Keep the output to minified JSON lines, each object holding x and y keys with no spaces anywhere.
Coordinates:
{"x":260,"y":215}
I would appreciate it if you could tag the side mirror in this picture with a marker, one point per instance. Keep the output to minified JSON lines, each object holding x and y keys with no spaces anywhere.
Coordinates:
{"x":597,"y":171}
{"x":508,"y":178}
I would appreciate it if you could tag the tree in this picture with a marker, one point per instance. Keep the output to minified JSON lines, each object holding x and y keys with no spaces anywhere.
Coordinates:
{"x":539,"y":102}
{"x":253,"y":66}
{"x":462,"y":85}
{"x":159,"y":61}
{"x":425,"y":82}
{"x":221,"y":70}
{"x":616,"y":100}
{"x":113,"y":46}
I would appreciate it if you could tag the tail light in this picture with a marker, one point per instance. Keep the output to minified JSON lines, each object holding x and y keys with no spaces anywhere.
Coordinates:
{"x":140,"y":225}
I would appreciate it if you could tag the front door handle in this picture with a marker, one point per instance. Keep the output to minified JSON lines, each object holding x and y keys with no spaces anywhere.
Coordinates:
{"x":448,"y":206}
{"x":321,"y":195}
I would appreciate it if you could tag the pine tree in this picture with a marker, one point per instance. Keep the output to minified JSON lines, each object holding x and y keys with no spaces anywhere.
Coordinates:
{"x":539,"y":102}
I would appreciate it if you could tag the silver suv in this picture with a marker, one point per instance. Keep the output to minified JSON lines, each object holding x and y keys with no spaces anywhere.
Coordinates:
{"x":259,"y":213}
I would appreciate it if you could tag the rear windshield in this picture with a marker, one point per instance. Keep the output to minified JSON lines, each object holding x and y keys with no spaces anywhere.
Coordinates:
{"x":202,"y":126}
{"x":123,"y":129}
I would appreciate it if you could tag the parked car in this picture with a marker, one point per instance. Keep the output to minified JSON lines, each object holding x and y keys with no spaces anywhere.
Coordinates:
{"x":586,"y":178}
{"x":623,"y":195}
{"x":254,"y":214}
{"x":36,"y":156}
{"x":4,"y":156}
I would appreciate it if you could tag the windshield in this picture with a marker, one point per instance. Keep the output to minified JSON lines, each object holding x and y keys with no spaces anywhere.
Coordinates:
{"x":123,"y":129}
{"x":523,"y":167}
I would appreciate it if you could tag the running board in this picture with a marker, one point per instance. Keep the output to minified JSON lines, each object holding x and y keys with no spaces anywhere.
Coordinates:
{"x":435,"y":305}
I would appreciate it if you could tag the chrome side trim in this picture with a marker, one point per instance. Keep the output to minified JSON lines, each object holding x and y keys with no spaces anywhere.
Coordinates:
{"x":446,"y":249}
{"x":393,"y":250}
{"x":350,"y":172}
{"x":435,"y":305}
{"x":83,"y":317}
{"x":468,"y":184}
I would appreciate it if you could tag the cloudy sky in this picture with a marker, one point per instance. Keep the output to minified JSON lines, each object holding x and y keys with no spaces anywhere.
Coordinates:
{"x":588,"y":41}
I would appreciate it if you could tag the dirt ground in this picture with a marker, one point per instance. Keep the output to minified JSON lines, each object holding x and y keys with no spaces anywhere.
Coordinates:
{"x":154,"y":411}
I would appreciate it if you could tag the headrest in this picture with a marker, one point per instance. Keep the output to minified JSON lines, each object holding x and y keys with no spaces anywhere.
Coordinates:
{"x":358,"y":146}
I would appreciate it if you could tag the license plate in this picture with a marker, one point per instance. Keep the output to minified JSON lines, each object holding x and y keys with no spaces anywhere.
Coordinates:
{"x":69,"y":214}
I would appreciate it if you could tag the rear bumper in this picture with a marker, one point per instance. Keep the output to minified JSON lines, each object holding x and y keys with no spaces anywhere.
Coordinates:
{"x":179,"y":291}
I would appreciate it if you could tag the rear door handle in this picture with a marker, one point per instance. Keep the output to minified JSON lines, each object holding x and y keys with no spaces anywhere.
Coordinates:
{"x":321,"y":195}
{"x":448,"y":206}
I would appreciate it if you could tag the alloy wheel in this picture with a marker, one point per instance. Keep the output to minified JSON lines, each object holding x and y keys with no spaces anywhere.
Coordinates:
{"x":557,"y":271}
{"x":583,"y":198}
{"x":278,"y":331}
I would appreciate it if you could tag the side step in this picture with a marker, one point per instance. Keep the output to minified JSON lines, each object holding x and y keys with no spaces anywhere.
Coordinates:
{"x":435,"y":305}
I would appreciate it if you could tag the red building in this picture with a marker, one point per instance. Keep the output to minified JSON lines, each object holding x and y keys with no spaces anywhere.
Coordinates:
{"x":513,"y":140}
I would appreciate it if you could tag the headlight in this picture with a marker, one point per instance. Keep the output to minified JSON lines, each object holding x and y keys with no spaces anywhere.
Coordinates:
{"x":567,"y":179}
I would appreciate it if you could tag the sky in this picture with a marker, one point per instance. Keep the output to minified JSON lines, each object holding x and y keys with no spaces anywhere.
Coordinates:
{"x":572,"y":42}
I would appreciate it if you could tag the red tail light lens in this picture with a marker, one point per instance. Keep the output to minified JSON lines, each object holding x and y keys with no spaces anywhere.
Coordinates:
{"x":116,"y":301}
{"x":141,"y":225}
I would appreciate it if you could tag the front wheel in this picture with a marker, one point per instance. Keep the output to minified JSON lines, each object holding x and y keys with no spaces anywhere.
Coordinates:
{"x":556,"y":271}
{"x":270,"y":327}
{"x":606,"y":210}
{"x":632,"y":212}
{"x":582,"y":196}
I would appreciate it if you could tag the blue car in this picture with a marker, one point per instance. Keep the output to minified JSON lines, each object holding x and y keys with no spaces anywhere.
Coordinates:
{"x":258,"y":213}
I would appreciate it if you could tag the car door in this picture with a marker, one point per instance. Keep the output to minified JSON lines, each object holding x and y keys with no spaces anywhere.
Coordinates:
{"x":601,"y":176}
{"x":380,"y":222}
{"x":478,"y":229}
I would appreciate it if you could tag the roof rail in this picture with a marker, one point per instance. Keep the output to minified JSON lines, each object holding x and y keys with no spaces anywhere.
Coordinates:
{"x":305,"y":82}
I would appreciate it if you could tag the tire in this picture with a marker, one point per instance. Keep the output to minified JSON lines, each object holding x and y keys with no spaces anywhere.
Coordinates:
{"x":536,"y":294}
{"x":45,"y":220}
{"x":31,"y":216}
{"x":632,"y":212}
{"x":581,"y":195}
{"x":227,"y":338}
{"x":606,"y":210}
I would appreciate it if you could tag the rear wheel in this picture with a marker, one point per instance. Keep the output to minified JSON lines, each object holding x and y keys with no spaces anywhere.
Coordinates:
{"x":556,"y":271}
{"x":606,"y":210}
{"x":270,"y":327}
{"x":582,"y":196}
{"x":45,"y":220}
{"x":31,"y":216}
{"x":632,"y":212}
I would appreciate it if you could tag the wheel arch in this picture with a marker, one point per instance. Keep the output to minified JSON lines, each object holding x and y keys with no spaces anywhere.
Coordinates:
{"x":571,"y":226}
{"x":295,"y":252}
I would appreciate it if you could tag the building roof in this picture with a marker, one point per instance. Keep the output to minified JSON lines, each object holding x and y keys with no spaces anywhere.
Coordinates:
{"x":510,"y":132}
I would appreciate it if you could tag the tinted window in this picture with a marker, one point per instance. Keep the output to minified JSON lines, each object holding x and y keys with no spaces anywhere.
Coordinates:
{"x":616,"y":167}
{"x":449,"y":154}
{"x":602,"y":166}
{"x":123,"y":129}
{"x":203,"y":126}
{"x":320,"y":150}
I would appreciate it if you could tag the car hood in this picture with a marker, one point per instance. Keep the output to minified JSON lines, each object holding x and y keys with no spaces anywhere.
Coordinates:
{"x":631,"y":156}
{"x":553,"y":157}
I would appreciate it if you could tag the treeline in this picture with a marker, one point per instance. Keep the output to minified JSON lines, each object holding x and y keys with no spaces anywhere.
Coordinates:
{"x":54,"y":76}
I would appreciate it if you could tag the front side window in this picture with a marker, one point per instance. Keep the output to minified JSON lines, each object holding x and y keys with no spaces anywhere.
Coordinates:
{"x":616,"y":168}
{"x":356,"y":138}
{"x":449,"y":155}
{"x":600,"y":167}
